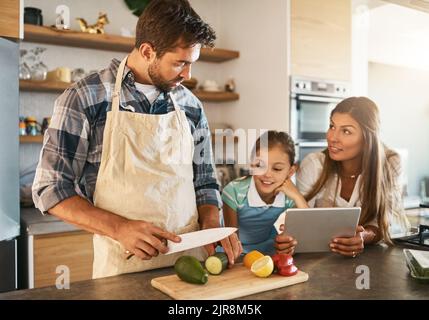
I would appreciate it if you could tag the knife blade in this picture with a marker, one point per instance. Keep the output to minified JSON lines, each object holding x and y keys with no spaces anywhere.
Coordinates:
{"x":199,"y":238}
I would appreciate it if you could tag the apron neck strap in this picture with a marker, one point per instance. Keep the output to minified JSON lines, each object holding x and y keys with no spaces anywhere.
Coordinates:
{"x":175,"y":105}
{"x":116,"y":97}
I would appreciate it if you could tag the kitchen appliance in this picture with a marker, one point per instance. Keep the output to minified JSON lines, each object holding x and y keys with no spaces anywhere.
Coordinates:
{"x":232,"y":283}
{"x":9,"y":163}
{"x":311,"y":103}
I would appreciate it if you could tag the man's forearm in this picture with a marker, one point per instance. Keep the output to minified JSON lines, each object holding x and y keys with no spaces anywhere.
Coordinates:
{"x":208,"y":216}
{"x":80,"y":212}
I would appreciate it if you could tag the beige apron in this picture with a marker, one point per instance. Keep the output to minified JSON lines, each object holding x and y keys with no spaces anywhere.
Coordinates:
{"x":145,"y":174}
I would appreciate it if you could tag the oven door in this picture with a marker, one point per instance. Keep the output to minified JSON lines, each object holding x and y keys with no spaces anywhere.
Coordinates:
{"x":310,"y":116}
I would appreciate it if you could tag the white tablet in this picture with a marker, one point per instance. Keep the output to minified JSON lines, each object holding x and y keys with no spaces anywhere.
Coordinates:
{"x":314,"y":228}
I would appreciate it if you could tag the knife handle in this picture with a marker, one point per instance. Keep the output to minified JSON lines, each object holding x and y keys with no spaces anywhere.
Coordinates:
{"x":130,"y":255}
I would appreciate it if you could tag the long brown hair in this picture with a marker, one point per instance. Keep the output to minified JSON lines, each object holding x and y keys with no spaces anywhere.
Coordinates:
{"x":379,"y":192}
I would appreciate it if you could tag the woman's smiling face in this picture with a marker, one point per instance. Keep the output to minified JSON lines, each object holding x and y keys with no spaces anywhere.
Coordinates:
{"x":345,"y":137}
{"x":270,"y":169}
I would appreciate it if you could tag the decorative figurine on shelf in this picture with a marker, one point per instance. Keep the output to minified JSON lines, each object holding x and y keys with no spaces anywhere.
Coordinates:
{"x":230,"y":85}
{"x":94,"y":28}
{"x":33,"y":128}
{"x":62,"y":21}
{"x":22,"y":126}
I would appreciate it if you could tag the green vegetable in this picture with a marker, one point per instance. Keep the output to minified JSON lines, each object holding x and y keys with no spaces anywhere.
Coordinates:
{"x":421,"y":272}
{"x":189,"y":269}
{"x":137,"y":6}
{"x":217,"y":263}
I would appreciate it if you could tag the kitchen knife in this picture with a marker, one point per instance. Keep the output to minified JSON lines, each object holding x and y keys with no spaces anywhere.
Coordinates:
{"x":199,"y":238}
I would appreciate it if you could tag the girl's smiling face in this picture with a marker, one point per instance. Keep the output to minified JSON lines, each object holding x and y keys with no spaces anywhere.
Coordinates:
{"x":270,"y":168}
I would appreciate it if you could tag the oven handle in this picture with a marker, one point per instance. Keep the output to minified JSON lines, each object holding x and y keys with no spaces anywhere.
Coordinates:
{"x":318,"y":99}
{"x":312,"y":144}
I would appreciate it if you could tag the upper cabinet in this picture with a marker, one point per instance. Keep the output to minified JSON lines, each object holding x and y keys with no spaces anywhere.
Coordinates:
{"x":10,"y":19}
{"x":321,"y":33}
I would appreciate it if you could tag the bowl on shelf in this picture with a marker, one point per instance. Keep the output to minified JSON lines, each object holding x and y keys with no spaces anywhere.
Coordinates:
{"x":62,"y":74}
{"x":210,"y":86}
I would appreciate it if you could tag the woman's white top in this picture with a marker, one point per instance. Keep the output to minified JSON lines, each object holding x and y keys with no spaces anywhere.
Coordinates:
{"x":329,"y":196}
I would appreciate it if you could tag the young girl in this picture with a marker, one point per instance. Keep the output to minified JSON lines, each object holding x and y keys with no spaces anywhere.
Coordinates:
{"x":253,"y":203}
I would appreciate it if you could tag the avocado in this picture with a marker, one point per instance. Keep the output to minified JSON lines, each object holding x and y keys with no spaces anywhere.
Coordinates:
{"x":189,"y":269}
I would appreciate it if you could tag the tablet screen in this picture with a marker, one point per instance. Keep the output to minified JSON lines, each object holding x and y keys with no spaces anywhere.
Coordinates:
{"x":314,"y":228}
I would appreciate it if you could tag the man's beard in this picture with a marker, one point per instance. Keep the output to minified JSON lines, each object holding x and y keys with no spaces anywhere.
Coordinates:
{"x":158,"y":81}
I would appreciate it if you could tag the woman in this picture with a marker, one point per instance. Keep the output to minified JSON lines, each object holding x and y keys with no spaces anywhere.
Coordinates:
{"x":356,"y":169}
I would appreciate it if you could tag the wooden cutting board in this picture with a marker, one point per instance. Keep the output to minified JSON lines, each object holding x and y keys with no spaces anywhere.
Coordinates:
{"x":232,"y":283}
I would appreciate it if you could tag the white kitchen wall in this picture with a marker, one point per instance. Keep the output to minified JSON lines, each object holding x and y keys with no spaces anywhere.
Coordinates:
{"x":41,"y":105}
{"x":399,"y":36}
{"x":391,"y":66}
{"x":403,"y":98}
{"x":257,"y":29}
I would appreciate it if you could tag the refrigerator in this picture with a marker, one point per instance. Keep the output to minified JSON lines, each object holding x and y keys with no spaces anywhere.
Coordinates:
{"x":9,"y":163}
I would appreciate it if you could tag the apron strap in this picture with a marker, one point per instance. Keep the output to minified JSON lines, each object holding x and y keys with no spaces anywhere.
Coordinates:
{"x":177,"y":109}
{"x":176,"y":106}
{"x":116,"y":96}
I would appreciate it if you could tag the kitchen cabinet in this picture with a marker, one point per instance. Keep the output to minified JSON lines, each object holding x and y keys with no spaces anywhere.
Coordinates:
{"x":321,"y":32}
{"x":73,"y":250}
{"x":10,"y":21}
{"x":48,"y":243}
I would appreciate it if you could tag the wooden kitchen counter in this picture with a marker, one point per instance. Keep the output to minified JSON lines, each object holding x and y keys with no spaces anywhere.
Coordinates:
{"x":330,"y":277}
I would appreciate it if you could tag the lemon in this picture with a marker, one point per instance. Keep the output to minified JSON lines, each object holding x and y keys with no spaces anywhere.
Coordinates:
{"x":263,"y":267}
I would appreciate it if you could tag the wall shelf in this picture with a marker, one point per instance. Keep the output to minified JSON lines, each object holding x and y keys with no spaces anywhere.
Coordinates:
{"x":31,"y":139}
{"x":221,"y":96}
{"x":43,"y":86}
{"x":48,"y":35}
{"x":57,"y":86}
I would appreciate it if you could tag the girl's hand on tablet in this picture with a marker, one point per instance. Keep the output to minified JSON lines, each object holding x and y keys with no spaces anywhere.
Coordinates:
{"x":284,"y":243}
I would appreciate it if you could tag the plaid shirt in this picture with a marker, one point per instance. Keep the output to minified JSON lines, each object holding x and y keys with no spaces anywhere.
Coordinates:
{"x":72,"y":146}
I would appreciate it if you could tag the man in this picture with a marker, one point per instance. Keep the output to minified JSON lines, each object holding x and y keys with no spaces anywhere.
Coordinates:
{"x":118,"y":159}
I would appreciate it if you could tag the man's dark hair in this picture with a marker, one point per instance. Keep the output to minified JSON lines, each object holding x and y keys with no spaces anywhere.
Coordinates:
{"x":165,"y":24}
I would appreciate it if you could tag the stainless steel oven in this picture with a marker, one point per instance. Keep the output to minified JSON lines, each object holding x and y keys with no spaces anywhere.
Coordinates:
{"x":304,"y":148}
{"x":312,"y":101}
